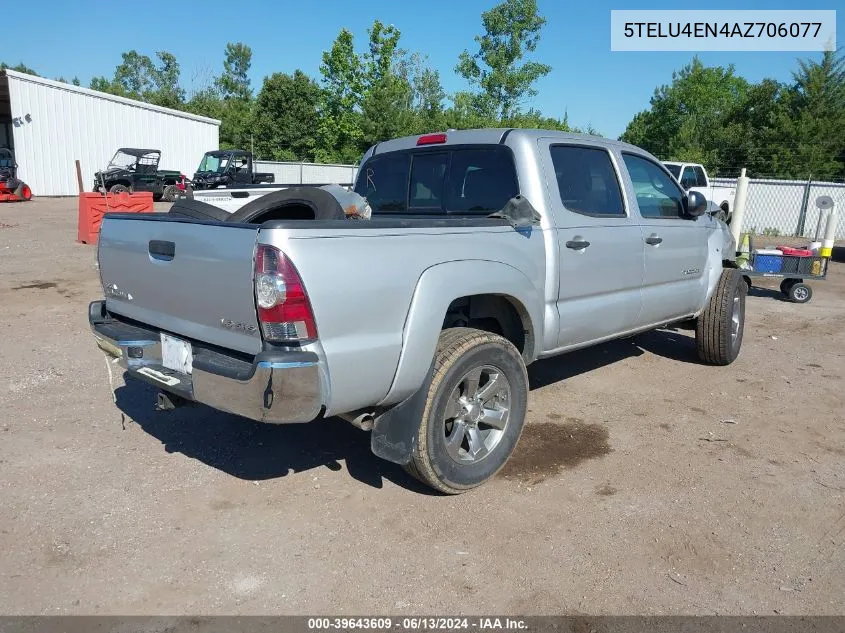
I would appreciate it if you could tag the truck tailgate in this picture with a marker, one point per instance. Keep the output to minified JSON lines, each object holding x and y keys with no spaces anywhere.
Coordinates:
{"x":191,"y":279}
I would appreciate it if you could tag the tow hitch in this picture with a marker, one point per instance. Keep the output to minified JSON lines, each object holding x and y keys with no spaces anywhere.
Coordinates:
{"x":169,"y":401}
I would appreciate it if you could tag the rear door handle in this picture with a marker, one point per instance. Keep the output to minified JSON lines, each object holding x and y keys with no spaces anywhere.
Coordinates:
{"x":577,"y":245}
{"x":162,"y":249}
{"x":653,"y":240}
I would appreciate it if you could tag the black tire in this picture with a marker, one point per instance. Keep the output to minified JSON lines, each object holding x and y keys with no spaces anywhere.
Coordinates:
{"x":118,"y":188}
{"x":786,"y":284}
{"x":186,"y":208}
{"x":800,"y":293}
{"x":169,"y":193}
{"x":748,"y":283}
{"x":460,"y":351}
{"x":718,"y":336}
{"x":294,"y":203}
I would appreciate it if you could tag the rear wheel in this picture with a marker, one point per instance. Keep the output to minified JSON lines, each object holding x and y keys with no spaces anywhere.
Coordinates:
{"x":800,"y":293}
{"x":718,"y":330}
{"x":787,"y":284}
{"x":169,"y":193}
{"x":474,"y":412}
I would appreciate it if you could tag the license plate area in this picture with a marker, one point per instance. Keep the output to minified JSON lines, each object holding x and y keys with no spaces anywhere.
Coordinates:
{"x":176,"y":354}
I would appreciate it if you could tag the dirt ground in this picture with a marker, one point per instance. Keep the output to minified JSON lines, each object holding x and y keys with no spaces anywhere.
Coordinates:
{"x":645,"y":483}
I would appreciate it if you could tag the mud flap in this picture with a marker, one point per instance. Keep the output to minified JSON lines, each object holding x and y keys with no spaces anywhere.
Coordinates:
{"x":394,"y":435}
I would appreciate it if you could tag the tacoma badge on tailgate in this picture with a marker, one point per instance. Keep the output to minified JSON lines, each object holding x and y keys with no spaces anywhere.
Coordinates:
{"x":235,"y":325}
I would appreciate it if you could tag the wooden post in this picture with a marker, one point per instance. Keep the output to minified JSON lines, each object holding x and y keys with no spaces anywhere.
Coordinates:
{"x":79,"y":176}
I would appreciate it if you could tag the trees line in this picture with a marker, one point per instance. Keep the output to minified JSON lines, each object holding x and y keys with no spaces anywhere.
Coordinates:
{"x":365,"y":95}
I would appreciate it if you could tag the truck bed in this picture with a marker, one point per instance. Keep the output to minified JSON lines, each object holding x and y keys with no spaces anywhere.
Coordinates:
{"x":360,"y":285}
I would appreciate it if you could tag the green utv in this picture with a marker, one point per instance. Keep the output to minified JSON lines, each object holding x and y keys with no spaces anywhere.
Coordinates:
{"x":133,"y":170}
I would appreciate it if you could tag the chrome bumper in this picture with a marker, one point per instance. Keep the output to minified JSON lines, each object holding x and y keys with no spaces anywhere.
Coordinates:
{"x":277,"y":387}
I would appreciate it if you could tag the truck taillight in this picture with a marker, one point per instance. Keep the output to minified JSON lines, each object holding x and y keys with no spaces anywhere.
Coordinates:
{"x":284,"y":310}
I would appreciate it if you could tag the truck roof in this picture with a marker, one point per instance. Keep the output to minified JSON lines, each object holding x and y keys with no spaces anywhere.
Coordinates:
{"x":492,"y":136}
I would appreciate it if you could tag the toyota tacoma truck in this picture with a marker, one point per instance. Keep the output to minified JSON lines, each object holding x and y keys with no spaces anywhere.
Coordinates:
{"x":693,"y":177}
{"x":486,"y":250}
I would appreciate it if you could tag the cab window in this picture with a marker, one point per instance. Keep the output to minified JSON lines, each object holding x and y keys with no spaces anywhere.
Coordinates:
{"x":657,"y":194}
{"x":455,"y":180}
{"x":428,"y":173}
{"x":480,"y":181}
{"x":383,"y":181}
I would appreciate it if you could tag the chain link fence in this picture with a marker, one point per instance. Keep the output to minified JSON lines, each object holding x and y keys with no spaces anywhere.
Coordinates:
{"x":777,"y":207}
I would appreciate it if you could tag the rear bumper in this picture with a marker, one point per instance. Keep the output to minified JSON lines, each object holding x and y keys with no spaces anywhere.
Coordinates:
{"x":278,"y":387}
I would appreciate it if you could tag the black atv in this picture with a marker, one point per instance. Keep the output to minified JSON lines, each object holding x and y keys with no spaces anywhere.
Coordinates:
{"x":228,"y":168}
{"x":132,"y":170}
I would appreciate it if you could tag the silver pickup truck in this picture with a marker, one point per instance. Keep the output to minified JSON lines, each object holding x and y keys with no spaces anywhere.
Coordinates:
{"x":486,"y":250}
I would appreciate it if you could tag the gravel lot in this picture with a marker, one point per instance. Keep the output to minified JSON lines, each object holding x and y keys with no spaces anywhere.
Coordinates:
{"x":629,"y":492}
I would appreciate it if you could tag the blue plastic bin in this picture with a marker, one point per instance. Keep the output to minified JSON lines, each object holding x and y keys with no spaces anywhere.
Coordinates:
{"x":768,"y":263}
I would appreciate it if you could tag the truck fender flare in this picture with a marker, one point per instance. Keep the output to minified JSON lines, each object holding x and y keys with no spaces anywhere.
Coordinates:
{"x":436,"y":288}
{"x":395,"y":430}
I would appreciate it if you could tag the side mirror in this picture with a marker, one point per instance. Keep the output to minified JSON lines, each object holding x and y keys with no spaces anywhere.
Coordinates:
{"x":695,"y":204}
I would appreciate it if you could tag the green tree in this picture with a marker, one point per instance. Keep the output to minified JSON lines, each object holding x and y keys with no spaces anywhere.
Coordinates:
{"x":138,"y":77}
{"x":234,"y":82}
{"x":386,"y":111}
{"x":686,"y":119}
{"x":511,"y":29}
{"x":285,"y":111}
{"x":166,"y":89}
{"x":387,"y":103}
{"x":814,"y":131}
{"x":235,"y":89}
{"x":206,"y":102}
{"x":339,"y":127}
{"x":20,"y":67}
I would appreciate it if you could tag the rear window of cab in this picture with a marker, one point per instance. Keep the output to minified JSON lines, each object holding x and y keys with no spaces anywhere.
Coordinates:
{"x":444,"y":180}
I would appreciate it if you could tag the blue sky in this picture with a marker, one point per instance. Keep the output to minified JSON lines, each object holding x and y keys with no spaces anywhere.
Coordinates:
{"x":596,"y":86}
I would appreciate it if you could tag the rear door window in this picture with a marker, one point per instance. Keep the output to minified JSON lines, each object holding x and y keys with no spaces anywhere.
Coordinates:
{"x":383,"y":181}
{"x":700,"y":178}
{"x":587,"y":181}
{"x":480,"y":181}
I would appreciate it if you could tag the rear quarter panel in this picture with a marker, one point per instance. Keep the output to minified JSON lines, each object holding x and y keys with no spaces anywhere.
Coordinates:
{"x":361,"y":283}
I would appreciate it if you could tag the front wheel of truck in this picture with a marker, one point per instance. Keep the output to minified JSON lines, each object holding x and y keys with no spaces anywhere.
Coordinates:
{"x":719,"y":328}
{"x":474,"y":411}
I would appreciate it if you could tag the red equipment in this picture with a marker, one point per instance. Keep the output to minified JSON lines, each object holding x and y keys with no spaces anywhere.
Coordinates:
{"x":11,"y":189}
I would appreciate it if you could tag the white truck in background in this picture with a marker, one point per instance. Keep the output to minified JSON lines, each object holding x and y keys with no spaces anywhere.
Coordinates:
{"x":693,"y":177}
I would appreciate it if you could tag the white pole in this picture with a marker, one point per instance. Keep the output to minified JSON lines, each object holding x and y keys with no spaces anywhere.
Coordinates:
{"x":829,"y":233}
{"x":739,"y":206}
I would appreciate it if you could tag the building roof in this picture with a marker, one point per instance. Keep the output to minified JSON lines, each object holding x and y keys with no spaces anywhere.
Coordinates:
{"x":59,"y":85}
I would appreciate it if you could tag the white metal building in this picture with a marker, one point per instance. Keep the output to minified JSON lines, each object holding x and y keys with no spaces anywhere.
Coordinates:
{"x":49,"y":124}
